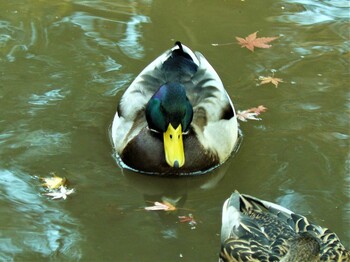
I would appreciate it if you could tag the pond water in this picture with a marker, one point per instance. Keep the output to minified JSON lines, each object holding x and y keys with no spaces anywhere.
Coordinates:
{"x":64,"y":66}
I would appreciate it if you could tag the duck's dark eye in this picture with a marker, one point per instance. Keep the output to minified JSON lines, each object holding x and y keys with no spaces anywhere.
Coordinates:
{"x":171,"y":136}
{"x":161,"y":108}
{"x":178,"y":136}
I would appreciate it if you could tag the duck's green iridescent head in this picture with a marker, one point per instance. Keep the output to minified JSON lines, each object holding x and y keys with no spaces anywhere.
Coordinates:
{"x":170,"y":112}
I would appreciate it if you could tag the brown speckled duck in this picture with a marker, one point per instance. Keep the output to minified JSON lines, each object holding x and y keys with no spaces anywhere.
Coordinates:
{"x":258,"y":230}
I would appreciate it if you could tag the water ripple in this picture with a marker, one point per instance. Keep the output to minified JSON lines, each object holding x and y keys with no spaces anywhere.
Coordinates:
{"x":48,"y":97}
{"x":317,"y":12}
{"x":95,"y":27}
{"x":43,"y":228}
{"x":130,"y":43}
{"x":36,"y":143}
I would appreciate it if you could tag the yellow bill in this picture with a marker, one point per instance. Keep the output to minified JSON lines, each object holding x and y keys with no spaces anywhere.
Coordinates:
{"x":173,"y":146}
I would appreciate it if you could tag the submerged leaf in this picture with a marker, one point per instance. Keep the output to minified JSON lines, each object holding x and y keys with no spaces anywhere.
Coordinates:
{"x":188,"y":219}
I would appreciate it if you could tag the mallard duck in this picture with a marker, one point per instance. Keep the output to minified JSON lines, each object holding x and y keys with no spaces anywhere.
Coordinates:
{"x":176,"y":117}
{"x":257,"y":230}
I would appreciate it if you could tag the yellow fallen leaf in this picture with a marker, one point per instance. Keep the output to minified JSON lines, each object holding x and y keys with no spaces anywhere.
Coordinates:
{"x":270,"y":79}
{"x":170,"y":206}
{"x":54,"y":182}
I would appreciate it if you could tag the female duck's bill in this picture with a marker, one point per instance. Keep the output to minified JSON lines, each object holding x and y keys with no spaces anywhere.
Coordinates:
{"x":175,"y":117}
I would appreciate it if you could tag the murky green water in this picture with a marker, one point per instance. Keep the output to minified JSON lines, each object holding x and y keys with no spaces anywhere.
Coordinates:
{"x":64,"y":65}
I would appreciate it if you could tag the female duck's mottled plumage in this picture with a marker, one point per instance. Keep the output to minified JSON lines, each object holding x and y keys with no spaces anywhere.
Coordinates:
{"x":258,"y":230}
{"x":175,"y":117}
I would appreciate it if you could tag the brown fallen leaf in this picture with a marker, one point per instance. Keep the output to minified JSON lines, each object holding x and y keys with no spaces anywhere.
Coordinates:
{"x":252,"y":41}
{"x":270,"y":79}
{"x":251,"y":113}
{"x":258,"y":110}
{"x":161,"y":206}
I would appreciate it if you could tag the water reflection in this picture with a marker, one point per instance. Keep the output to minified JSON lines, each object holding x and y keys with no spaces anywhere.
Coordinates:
{"x":126,"y":34}
{"x":35,"y":226}
{"x":172,"y":186}
{"x":62,"y":63}
{"x":24,"y":26}
{"x":49,"y":98}
{"x":315,"y":12}
{"x":130,"y":44}
{"x":175,"y":191}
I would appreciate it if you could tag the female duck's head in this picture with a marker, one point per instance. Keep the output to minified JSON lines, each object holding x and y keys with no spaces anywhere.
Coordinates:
{"x":170,"y":112}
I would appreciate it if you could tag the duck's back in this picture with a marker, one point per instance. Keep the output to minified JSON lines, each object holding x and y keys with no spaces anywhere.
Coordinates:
{"x":179,"y":66}
{"x":191,"y":69}
{"x":264,"y":231}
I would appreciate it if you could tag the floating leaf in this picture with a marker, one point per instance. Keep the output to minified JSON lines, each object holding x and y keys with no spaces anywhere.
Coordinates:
{"x":54,"y":182}
{"x":251,"y":113}
{"x":164,"y":206}
{"x":62,"y":192}
{"x":258,"y":110}
{"x":252,"y":41}
{"x":270,"y":79}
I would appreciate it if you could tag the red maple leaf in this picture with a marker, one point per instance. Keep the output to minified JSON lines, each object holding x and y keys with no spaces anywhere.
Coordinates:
{"x":252,"y":41}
